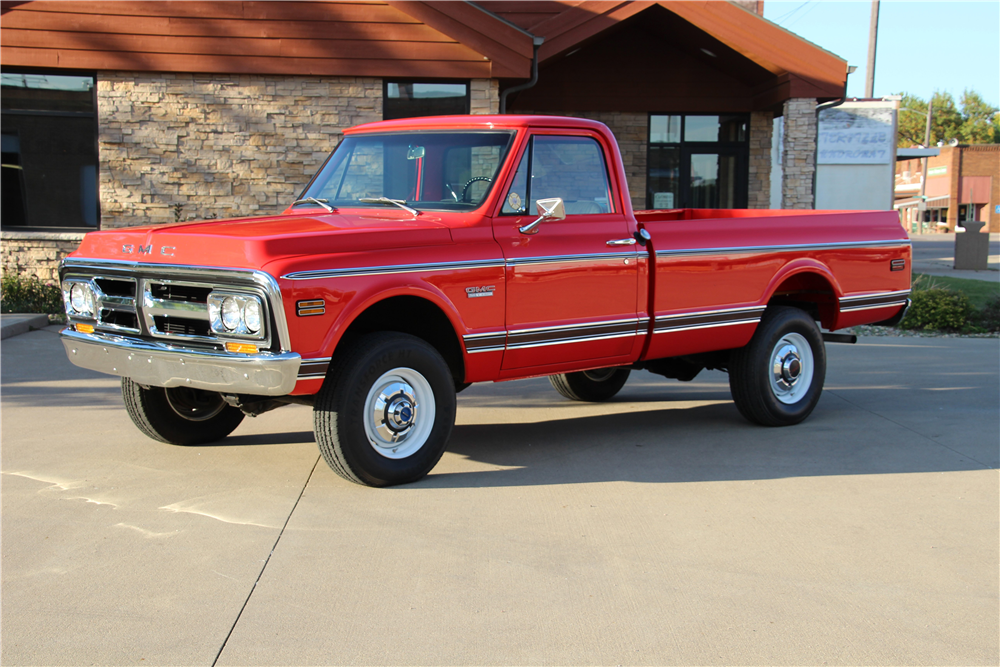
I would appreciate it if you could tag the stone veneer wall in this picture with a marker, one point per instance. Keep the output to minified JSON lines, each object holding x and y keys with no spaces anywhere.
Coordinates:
{"x":798,"y":160}
{"x":761,"y":130}
{"x":37,"y":253}
{"x":191,"y":146}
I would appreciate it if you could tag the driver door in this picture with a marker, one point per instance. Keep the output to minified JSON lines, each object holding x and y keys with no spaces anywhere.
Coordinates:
{"x":572,"y":284}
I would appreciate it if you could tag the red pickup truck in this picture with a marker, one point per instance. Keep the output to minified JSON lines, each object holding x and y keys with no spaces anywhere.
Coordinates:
{"x":428,"y":254}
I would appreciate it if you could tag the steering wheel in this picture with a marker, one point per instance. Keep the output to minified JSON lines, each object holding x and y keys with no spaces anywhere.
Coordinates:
{"x":465,"y":190}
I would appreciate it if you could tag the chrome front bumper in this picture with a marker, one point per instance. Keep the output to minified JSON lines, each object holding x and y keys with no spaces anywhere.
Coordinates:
{"x":161,"y":365}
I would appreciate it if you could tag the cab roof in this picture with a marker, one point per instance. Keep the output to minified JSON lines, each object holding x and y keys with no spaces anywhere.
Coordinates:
{"x":477,"y":122}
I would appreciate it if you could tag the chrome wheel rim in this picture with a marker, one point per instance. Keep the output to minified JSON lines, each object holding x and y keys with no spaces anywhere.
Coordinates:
{"x":792,"y":368}
{"x":399,"y":413}
{"x":193,"y":404}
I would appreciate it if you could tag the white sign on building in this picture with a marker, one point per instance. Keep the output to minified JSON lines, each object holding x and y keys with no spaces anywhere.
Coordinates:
{"x":856,"y":155}
{"x":856,"y":135}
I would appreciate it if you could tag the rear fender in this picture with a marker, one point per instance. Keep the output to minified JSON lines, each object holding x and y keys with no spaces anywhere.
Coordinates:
{"x":808,"y":282}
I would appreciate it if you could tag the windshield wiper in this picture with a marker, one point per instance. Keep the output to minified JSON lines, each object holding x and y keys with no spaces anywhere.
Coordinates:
{"x":385,"y":200}
{"x":313,"y":200}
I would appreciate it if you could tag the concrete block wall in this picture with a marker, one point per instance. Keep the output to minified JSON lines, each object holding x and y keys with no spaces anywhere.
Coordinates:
{"x":798,"y":159}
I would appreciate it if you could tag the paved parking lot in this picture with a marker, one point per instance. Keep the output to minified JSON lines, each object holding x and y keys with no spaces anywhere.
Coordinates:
{"x":656,"y":529}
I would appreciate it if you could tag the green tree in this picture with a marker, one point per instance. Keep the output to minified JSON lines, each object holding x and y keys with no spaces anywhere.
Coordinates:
{"x":978,"y":119}
{"x":976,"y":123}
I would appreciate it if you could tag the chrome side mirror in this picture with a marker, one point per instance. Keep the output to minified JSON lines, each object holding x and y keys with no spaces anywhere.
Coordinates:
{"x":548,"y":209}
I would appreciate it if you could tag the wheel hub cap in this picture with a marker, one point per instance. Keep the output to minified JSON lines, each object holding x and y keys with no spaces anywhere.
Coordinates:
{"x":787,"y":367}
{"x":395,"y":412}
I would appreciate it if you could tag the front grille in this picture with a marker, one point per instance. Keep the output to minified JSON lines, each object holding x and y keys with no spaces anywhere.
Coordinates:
{"x":181,"y":327}
{"x":171,"y":310}
{"x":184,"y":293}
{"x":116,"y":286}
{"x":119,"y":319}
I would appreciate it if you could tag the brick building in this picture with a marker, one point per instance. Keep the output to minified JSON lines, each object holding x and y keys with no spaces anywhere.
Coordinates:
{"x":963,"y":183}
{"x":127,"y":113}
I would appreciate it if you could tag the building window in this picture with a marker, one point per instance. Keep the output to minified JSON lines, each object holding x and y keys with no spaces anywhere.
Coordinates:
{"x":49,"y":141}
{"x":409,"y":99}
{"x":698,"y":161}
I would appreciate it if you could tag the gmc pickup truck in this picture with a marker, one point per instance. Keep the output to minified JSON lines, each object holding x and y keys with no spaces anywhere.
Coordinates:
{"x":431,"y":253}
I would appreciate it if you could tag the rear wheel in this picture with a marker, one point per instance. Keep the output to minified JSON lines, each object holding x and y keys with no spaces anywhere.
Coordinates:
{"x":777,"y":378}
{"x":386,"y":410}
{"x":593,"y":386}
{"x":179,"y":415}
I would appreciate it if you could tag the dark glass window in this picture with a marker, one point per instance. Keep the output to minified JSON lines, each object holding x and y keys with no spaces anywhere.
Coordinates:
{"x":698,"y":161}
{"x":568,"y":167}
{"x":410,"y":99}
{"x":49,"y":132}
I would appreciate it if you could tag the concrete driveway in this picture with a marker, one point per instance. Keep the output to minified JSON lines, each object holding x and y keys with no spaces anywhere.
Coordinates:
{"x":656,"y":529}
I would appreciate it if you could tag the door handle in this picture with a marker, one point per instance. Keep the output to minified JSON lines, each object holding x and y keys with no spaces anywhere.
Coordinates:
{"x":628,"y":241}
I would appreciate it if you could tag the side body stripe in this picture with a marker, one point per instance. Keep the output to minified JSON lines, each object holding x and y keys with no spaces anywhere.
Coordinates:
{"x":872,"y":301}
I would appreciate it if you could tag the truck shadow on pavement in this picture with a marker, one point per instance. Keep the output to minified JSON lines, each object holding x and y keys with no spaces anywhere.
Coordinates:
{"x":689,"y":444}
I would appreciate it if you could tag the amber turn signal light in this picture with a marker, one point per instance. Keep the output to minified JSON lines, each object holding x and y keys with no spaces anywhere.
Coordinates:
{"x":241,"y":348}
{"x":85,"y":328}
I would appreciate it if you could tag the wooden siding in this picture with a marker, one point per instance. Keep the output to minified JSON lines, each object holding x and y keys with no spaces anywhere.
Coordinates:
{"x":624,"y":71}
{"x":401,"y":38}
{"x":315,"y":38}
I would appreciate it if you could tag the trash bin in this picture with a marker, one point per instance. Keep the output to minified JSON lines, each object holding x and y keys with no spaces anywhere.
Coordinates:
{"x":972,"y":247}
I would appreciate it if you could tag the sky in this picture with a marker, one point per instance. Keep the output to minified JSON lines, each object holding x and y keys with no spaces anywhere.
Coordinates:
{"x":923,"y":47}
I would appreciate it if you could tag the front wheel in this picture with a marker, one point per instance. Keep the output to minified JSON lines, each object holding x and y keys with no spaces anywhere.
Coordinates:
{"x":777,"y":378}
{"x":386,"y":410}
{"x":179,"y":415}
{"x":593,"y":386}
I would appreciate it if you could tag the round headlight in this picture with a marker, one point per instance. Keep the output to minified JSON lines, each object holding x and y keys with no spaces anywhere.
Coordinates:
{"x":251,"y":315}
{"x":230,"y":314}
{"x":81,"y":298}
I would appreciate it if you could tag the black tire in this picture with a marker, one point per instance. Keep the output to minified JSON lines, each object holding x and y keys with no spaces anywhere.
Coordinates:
{"x":180,"y":415}
{"x":787,"y":338}
{"x":368,"y":398}
{"x":593,"y":386}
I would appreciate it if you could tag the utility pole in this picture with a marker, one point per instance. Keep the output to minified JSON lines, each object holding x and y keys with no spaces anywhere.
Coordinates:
{"x":922,"y":206}
{"x":872,"y":40}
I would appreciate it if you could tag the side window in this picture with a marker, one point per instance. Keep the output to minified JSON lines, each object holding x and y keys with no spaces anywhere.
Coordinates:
{"x":569,"y":167}
{"x":516,"y":201}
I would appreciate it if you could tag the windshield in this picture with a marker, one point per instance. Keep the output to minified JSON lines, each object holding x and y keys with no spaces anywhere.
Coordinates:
{"x":436,"y":171}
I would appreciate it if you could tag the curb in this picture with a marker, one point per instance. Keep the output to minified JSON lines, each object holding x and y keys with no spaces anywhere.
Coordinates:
{"x":15,"y":324}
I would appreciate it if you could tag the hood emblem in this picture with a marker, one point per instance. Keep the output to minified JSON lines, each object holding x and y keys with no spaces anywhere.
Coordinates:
{"x":165,"y":250}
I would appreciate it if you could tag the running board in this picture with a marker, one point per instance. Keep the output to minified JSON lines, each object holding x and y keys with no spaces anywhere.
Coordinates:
{"x":840,"y":338}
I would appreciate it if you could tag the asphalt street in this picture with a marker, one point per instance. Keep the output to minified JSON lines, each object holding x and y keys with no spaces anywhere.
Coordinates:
{"x":659,"y":528}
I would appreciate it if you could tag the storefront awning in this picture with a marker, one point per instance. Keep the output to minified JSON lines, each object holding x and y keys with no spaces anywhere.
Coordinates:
{"x":932,"y":202}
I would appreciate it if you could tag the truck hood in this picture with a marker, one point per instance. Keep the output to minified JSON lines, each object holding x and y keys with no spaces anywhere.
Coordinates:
{"x":254,"y":242}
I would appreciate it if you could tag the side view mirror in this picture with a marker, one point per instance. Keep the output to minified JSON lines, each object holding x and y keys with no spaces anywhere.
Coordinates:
{"x":548,"y":209}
